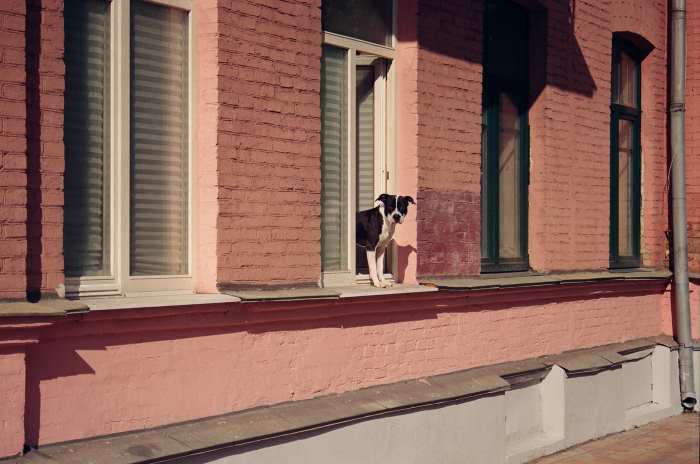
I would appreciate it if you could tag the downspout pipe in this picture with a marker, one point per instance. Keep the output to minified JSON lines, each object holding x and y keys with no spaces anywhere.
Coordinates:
{"x":680,"y":228}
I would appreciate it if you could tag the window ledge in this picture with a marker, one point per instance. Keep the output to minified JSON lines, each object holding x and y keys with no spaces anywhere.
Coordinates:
{"x":155,"y":301}
{"x":45,"y":307}
{"x":694,"y":277}
{"x":326,"y":293}
{"x":492,"y":281}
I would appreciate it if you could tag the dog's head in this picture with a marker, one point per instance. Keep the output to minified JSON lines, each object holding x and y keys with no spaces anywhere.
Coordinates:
{"x":395,"y":207}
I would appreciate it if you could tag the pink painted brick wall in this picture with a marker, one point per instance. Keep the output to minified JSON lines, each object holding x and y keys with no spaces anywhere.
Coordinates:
{"x":206,"y":117}
{"x":13,"y":149}
{"x":692,"y":130}
{"x":269,"y":142}
{"x":12,"y":386}
{"x":449,"y":136}
{"x":45,"y":89}
{"x":131,"y":381}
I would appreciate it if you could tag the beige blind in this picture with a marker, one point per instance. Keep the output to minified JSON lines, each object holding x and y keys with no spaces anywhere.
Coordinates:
{"x":86,"y":137}
{"x":334,"y":160}
{"x":159,"y":140}
{"x":365,"y":137}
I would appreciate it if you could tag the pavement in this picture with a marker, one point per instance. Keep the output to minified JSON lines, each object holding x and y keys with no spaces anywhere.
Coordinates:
{"x":669,"y":441}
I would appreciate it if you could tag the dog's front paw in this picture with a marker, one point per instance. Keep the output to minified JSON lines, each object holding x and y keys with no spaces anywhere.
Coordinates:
{"x":386,"y":283}
{"x":379,"y":283}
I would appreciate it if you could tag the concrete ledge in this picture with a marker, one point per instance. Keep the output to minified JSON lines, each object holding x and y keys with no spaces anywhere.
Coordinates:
{"x":44,"y":307}
{"x":282,"y":294}
{"x":329,"y":412}
{"x":491,"y":281}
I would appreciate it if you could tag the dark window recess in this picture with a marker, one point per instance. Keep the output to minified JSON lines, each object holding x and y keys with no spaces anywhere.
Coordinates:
{"x":505,"y":138}
{"x":625,"y":157}
{"x":369,"y":20}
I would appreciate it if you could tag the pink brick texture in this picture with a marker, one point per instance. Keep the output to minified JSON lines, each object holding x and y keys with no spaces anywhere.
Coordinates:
{"x":126,"y":374}
{"x":13,"y":151}
{"x":449,"y":75}
{"x":12,"y":391}
{"x":692,"y":130}
{"x":268,"y":142}
{"x":45,"y":160}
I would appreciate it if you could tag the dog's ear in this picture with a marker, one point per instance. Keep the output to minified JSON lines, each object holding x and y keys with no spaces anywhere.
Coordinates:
{"x":410,"y":200}
{"x":382,"y":197}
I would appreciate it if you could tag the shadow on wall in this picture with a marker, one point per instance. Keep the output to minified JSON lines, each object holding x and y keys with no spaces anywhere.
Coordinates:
{"x":33,"y":127}
{"x":444,"y":28}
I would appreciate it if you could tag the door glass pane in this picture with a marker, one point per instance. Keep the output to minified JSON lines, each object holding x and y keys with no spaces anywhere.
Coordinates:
{"x":364,"y":112}
{"x":508,"y":179}
{"x":159,"y":140}
{"x":334,"y":160}
{"x":624,"y":190}
{"x":369,"y":20}
{"x":87,"y":138}
{"x":627,"y":81}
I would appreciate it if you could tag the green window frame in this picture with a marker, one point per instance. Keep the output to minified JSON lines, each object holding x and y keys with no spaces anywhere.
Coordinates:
{"x":505,"y":139}
{"x":625,"y":156}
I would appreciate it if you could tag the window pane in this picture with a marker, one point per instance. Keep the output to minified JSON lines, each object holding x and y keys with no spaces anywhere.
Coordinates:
{"x":624,"y":188}
{"x":86,"y":137}
{"x":334,"y":160}
{"x":627,"y":81}
{"x":159,"y":140}
{"x":369,"y":20}
{"x":508,"y":180}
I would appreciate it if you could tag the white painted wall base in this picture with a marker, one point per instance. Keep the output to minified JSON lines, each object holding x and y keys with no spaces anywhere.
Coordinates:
{"x":506,"y":428}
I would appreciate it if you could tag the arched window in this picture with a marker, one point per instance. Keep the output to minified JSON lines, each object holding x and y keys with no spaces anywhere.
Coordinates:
{"x":625,"y":156}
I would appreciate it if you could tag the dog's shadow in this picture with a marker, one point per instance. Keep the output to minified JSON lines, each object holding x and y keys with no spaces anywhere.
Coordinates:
{"x":403,"y":253}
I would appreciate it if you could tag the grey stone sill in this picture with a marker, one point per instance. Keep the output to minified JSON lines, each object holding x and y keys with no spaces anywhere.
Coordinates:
{"x":287,"y":419}
{"x":45,"y":307}
{"x":491,"y":281}
{"x":694,"y":277}
{"x":316,"y":293}
{"x":156,"y":301}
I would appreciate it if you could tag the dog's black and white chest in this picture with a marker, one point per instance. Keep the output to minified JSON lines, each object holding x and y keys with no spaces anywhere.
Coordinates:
{"x":374,"y":229}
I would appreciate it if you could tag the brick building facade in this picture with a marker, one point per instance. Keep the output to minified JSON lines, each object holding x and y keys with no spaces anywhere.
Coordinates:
{"x":127,"y":361}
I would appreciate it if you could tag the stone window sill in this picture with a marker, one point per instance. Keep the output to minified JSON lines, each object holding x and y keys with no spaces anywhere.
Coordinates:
{"x":50,"y":307}
{"x":327,"y":293}
{"x":514,"y":280}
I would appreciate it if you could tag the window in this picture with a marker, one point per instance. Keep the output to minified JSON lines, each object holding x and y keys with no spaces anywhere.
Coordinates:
{"x":625,"y":157}
{"x":356,"y":127}
{"x":505,"y":138}
{"x":128,"y":150}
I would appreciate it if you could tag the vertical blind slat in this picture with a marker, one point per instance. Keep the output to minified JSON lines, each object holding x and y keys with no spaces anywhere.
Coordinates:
{"x":159,"y":140}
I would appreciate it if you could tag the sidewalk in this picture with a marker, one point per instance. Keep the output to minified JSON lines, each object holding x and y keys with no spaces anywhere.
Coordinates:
{"x":668,"y":441}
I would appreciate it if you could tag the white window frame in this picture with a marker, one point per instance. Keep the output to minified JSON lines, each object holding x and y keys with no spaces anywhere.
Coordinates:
{"x":382,"y":57}
{"x":118,"y":281}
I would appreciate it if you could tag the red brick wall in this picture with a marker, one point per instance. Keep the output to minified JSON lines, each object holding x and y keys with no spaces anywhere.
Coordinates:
{"x":45,"y":161}
{"x":692,"y":130}
{"x":269,"y":142}
{"x":449,"y":136}
{"x":13,"y":147}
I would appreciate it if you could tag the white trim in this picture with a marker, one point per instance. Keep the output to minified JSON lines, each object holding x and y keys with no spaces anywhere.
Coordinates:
{"x":341,"y":41}
{"x":179,"y":4}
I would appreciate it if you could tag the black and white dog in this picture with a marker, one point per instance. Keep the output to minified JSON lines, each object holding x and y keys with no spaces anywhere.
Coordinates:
{"x":375,"y":228}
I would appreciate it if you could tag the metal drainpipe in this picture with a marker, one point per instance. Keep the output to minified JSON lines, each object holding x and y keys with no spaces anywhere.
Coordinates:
{"x":680,"y":233}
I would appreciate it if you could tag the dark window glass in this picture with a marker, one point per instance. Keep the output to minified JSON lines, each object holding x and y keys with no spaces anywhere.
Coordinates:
{"x":369,"y":20}
{"x":505,"y":145}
